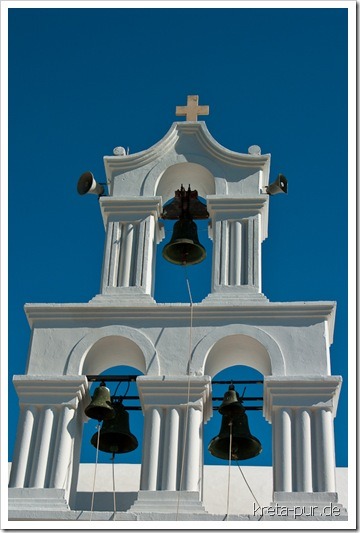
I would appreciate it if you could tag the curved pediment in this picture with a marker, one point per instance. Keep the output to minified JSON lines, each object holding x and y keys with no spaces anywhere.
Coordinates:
{"x":187,"y":142}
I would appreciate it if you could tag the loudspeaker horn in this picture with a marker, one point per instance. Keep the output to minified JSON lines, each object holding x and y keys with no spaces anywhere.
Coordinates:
{"x":88,"y":185}
{"x":279,"y":185}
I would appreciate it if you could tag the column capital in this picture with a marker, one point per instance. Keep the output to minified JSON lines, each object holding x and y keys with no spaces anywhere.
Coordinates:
{"x":48,"y":390}
{"x":301,"y":391}
{"x":128,"y":209}
{"x":162,"y":391}
{"x":237,"y":208}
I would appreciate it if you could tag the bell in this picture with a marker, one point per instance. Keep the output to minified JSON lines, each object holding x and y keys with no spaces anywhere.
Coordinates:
{"x":243,"y":444}
{"x":100,"y":407}
{"x":115,"y":435}
{"x":184,"y":247}
{"x":231,"y":403}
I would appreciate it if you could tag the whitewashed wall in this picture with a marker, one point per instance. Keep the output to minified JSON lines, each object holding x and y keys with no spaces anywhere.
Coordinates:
{"x":127,"y":480}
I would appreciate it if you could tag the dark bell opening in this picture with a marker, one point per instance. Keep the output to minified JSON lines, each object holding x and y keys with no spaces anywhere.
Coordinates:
{"x":114,"y":442}
{"x":242,"y":448}
{"x":184,"y":246}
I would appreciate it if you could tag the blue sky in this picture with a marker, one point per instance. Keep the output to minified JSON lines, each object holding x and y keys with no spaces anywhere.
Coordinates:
{"x":82,"y":81}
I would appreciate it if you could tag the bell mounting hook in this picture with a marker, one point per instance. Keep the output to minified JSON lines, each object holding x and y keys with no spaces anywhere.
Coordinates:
{"x":185,"y":206}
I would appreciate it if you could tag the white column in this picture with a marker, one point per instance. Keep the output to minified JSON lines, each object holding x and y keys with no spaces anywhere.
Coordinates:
{"x":325,"y":450}
{"x":132,"y":233}
{"x":313,"y":403}
{"x":282,"y":446}
{"x":23,"y":441}
{"x":126,"y":254}
{"x":222,"y":251}
{"x":303,"y":455}
{"x":236,"y":253}
{"x":257,"y":253}
{"x":171,"y":447}
{"x":151,"y":441}
{"x":114,"y":238}
{"x":250,"y":251}
{"x":174,"y":409}
{"x":191,"y":467}
{"x":41,"y":450}
{"x":105,"y":277}
{"x":64,"y":441}
{"x":144,"y":255}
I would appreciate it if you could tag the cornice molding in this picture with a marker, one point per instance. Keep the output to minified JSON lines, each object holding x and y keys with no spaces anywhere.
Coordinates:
{"x":130,"y":207}
{"x":85,"y":313}
{"x":311,"y":392}
{"x":44,"y":390}
{"x":114,"y":164}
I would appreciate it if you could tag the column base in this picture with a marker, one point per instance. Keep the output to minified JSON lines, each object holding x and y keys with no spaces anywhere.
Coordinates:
{"x":235,"y":296}
{"x":34,"y":499}
{"x":166,"y":501}
{"x":124,"y":296}
{"x":307,"y":497}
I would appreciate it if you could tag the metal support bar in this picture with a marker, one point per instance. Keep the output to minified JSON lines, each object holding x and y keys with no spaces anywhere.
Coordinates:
{"x":112,"y":378}
{"x":247,"y":408}
{"x":248,"y":398}
{"x":215,"y":408}
{"x":132,"y":378}
{"x":236,"y":382}
{"x":117,"y":378}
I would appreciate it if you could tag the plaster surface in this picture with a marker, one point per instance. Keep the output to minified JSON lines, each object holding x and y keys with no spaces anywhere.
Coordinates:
{"x":243,"y":505}
{"x":225,"y":171}
{"x":275,"y":338}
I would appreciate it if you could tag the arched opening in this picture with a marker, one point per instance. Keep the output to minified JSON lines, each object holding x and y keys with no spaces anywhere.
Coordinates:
{"x":238,"y":349}
{"x":126,"y":389}
{"x":110,"y":481}
{"x":171,"y":280}
{"x":235,"y":488}
{"x":193,"y":174}
{"x":238,"y":344}
{"x":110,"y":349}
{"x":109,"y":346}
{"x":257,"y":423}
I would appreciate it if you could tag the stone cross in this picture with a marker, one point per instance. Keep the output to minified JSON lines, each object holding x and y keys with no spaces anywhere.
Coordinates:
{"x":192,"y":109}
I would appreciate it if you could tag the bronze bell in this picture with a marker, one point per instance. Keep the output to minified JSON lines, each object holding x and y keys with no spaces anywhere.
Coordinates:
{"x":231,"y":403}
{"x":100,"y":407}
{"x":115,"y":435}
{"x":244,"y":445}
{"x":184,"y":247}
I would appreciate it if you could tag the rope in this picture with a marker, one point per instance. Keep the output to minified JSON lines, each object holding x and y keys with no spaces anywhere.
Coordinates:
{"x":127,"y":390}
{"x":191,"y":323}
{"x":248,"y":486}
{"x":96,"y":463}
{"x":188,"y":392}
{"x":113,"y":477}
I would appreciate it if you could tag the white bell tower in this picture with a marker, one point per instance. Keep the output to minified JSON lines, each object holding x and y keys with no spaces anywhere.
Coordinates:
{"x":289,"y":343}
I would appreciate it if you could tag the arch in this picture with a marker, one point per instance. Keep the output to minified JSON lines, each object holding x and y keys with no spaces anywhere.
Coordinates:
{"x":198,"y":176}
{"x":238,"y":345}
{"x":113,"y":346}
{"x":258,"y":425}
{"x":127,"y":390}
{"x":166,"y":177}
